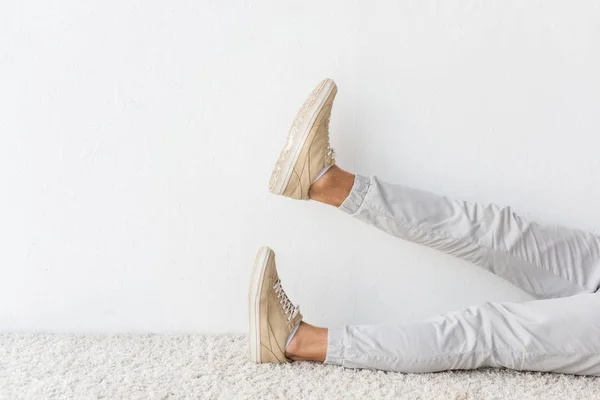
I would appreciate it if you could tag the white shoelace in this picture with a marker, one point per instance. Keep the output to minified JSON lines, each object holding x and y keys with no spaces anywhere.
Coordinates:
{"x":289,"y":309}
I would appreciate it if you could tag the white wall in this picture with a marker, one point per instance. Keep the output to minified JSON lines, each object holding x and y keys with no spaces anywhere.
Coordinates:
{"x":137,"y":140}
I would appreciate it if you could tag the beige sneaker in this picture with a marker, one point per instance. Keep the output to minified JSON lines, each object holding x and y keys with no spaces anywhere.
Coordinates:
{"x":272,"y":315}
{"x":307,"y":150}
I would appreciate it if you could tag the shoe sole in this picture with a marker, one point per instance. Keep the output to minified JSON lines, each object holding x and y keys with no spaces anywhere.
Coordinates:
{"x":256,"y":283}
{"x":298,"y":134}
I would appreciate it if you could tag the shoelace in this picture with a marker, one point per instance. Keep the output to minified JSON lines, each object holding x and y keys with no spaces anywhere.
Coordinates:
{"x":289,"y":309}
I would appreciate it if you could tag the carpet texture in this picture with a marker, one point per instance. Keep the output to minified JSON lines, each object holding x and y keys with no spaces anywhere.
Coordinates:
{"x":217,"y":367}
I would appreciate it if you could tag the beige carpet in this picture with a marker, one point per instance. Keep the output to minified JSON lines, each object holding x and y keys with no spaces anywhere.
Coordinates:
{"x":217,"y":367}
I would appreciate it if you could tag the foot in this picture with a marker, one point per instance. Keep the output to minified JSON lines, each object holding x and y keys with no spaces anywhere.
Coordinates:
{"x":307,"y":151}
{"x":333,"y":187}
{"x":273,"y":317}
{"x":308,"y":344}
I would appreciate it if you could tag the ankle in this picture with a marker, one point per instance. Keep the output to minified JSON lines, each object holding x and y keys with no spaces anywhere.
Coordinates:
{"x":308,"y":344}
{"x":333,"y":187}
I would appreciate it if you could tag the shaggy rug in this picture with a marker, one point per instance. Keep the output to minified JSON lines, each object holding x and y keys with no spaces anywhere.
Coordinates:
{"x":39,"y":366}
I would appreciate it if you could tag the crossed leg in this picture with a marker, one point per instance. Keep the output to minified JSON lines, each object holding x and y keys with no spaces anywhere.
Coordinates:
{"x":561,"y":266}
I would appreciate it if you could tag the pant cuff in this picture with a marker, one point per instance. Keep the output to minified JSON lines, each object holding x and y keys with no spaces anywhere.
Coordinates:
{"x":335,"y":346}
{"x":357,"y":195}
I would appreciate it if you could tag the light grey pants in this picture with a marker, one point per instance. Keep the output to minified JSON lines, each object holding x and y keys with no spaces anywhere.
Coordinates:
{"x":560,"y":333}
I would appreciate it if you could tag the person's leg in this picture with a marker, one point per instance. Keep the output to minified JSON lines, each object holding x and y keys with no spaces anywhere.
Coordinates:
{"x":545,"y":260}
{"x":555,"y":335}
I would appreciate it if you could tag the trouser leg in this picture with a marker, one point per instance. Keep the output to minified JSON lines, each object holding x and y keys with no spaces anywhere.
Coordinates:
{"x":545,"y":260}
{"x":558,"y":335}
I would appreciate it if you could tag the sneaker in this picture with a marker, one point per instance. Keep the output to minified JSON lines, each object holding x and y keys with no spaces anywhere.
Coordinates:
{"x":307,"y":151}
{"x":273,"y":317}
